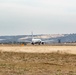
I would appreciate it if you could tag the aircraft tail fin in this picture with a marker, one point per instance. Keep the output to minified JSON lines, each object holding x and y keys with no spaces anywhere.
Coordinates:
{"x":32,"y":34}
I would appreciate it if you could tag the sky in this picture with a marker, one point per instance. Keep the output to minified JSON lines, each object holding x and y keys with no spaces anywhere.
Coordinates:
{"x":21,"y":17}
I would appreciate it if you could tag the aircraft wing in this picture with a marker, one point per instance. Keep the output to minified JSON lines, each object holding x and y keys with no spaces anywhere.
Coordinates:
{"x":48,"y":41}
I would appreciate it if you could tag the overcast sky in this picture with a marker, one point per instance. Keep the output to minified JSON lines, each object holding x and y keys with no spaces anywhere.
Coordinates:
{"x":18,"y":17}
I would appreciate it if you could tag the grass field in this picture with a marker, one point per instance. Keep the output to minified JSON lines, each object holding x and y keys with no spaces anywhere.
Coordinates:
{"x":38,"y":49}
{"x":13,"y":61}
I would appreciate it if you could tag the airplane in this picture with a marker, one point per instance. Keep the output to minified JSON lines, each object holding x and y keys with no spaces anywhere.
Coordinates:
{"x":33,"y":40}
{"x":36,"y":41}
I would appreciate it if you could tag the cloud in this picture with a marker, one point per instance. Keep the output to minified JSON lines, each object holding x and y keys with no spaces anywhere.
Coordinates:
{"x":19,"y":11}
{"x":40,"y":7}
{"x":46,"y":15}
{"x":31,"y":10}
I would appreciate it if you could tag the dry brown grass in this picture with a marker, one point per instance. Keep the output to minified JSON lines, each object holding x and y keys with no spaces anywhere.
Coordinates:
{"x":22,"y":63}
{"x":39,"y":49}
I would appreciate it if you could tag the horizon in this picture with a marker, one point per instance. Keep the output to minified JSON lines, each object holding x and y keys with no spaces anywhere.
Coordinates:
{"x":36,"y":34}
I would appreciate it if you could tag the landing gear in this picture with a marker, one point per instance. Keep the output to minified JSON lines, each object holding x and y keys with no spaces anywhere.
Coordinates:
{"x":32,"y":43}
{"x":42,"y":43}
{"x":39,"y":43}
